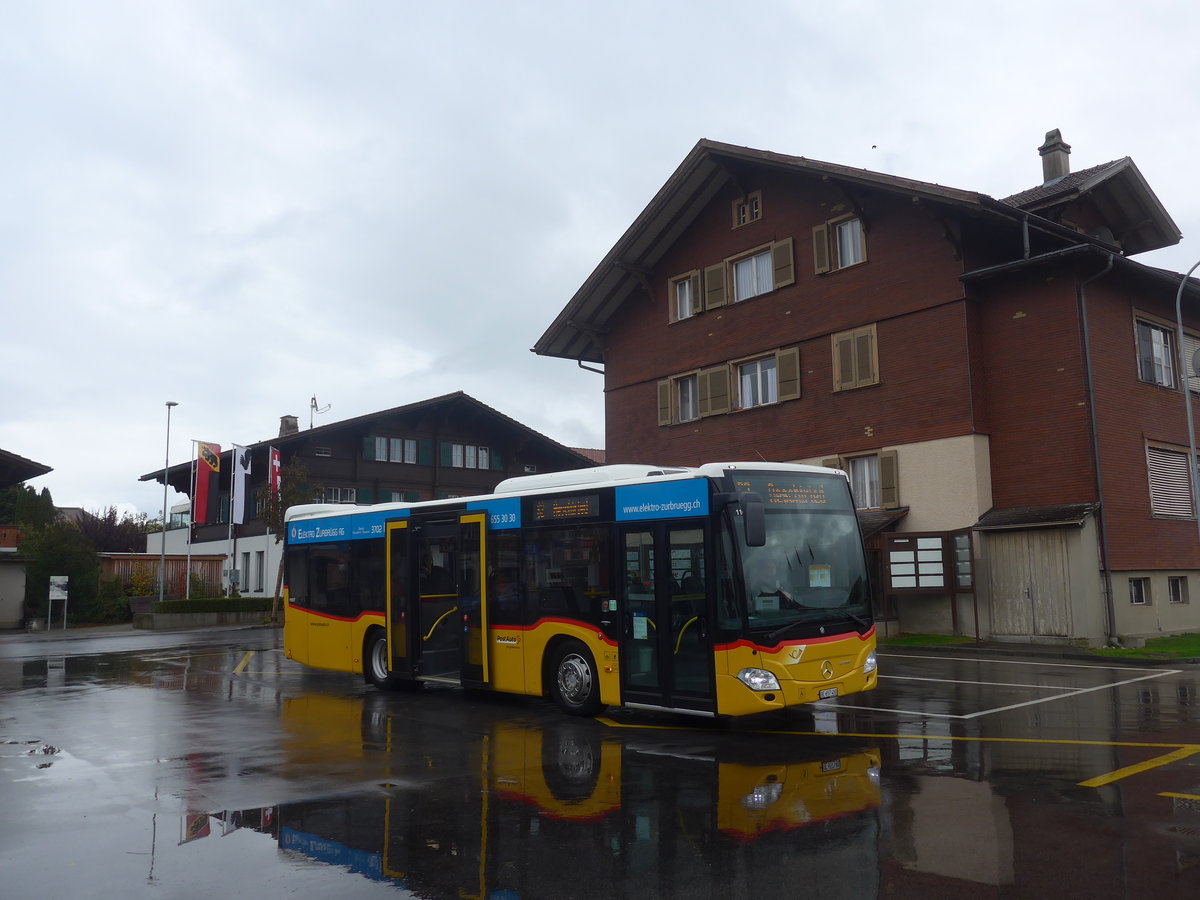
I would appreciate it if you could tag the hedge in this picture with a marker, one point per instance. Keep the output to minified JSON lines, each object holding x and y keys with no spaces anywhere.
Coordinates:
{"x":214,"y":605}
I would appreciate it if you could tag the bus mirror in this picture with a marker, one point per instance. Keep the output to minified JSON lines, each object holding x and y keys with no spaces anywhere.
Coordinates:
{"x":754,"y":519}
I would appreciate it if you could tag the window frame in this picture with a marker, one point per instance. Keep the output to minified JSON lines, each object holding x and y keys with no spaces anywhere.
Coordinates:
{"x":1150,"y":368}
{"x":889,"y":476}
{"x":761,"y":383}
{"x":827,"y":244}
{"x":747,"y":209}
{"x":691,"y":280}
{"x":1166,"y":466}
{"x":1140,"y":591}
{"x":760,"y":259}
{"x":1177,"y":590}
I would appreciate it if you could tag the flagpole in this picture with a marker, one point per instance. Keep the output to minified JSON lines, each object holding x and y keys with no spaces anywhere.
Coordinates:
{"x":232,"y":560}
{"x":187,"y":591}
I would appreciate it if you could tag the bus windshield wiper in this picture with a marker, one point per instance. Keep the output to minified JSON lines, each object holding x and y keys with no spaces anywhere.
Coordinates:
{"x":784,"y":628}
{"x":859,"y":620}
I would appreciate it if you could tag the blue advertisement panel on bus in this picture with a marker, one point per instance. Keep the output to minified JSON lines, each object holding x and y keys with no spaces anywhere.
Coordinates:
{"x":353,"y":527}
{"x":662,"y":500}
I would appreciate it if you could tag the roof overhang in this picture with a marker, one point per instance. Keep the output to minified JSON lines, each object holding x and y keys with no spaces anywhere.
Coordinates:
{"x":15,"y":469}
{"x":579,"y":330}
{"x":1020,"y":518}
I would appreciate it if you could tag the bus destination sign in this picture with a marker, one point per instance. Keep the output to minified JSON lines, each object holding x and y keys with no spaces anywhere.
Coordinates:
{"x":796,"y":493}
{"x":578,"y":506}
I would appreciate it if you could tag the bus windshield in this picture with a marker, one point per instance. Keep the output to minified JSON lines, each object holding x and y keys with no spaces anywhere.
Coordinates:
{"x":811,"y":571}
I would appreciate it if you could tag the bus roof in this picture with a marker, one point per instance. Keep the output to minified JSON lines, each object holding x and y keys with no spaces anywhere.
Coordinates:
{"x":572,"y":479}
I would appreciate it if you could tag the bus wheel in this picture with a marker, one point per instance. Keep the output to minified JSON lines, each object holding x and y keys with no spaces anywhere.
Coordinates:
{"x":575,"y":685}
{"x":375,"y":661}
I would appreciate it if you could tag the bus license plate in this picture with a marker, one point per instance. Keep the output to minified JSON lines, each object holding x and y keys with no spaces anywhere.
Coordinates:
{"x":827,"y":693}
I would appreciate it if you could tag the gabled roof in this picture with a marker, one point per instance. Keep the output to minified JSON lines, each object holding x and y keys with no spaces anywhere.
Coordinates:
{"x":457,"y":399}
{"x":1118,"y":191}
{"x":577,"y":332}
{"x":16,"y":469}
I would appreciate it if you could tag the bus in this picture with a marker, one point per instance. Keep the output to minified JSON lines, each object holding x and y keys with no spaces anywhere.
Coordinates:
{"x":726,"y":589}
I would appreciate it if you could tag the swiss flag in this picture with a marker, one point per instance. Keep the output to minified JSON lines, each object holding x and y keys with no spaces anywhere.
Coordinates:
{"x":275,"y":472}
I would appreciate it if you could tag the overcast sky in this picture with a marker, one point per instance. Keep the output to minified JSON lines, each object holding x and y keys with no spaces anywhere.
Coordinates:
{"x":239,"y":206}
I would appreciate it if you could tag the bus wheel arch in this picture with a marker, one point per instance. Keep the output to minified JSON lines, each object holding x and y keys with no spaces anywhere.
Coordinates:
{"x":572,"y":679}
{"x":375,"y":661}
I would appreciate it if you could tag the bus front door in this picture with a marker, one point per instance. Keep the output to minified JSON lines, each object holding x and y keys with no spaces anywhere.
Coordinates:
{"x":666,"y":649}
{"x":446,"y":616}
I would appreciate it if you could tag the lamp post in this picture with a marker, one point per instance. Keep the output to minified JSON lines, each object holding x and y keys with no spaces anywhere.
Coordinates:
{"x":162,"y":562}
{"x":1187,"y":394}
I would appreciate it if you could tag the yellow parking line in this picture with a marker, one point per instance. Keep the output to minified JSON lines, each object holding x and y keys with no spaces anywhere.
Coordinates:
{"x":1165,"y":759}
{"x":1174,"y":796}
{"x":241,"y":667}
{"x":1177,"y":752}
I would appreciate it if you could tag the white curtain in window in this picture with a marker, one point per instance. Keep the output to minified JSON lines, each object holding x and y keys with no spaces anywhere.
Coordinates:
{"x":864,"y":481}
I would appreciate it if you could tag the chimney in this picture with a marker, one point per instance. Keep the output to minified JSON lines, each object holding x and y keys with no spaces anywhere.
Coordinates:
{"x":288,"y":425}
{"x":1054,"y":157}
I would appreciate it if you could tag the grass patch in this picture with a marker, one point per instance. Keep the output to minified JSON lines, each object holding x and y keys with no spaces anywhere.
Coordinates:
{"x":927,"y":640}
{"x":1177,"y":646}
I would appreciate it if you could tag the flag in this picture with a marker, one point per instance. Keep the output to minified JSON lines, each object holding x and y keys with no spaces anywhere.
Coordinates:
{"x":276,"y":474}
{"x":241,"y":469}
{"x":208,"y":468}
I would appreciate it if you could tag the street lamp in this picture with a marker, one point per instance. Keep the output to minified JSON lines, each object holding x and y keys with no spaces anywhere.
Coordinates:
{"x":1187,"y":394}
{"x":162,"y":562}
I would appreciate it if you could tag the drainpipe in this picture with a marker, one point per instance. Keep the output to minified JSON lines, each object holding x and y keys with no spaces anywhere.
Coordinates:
{"x":1106,"y":575}
{"x":1187,"y":395}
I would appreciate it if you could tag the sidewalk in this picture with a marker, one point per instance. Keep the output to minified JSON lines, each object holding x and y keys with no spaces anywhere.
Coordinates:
{"x":95,"y":631}
{"x":1041,"y":651}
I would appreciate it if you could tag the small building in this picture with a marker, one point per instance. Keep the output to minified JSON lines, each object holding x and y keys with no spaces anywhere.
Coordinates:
{"x":1000,"y":379}
{"x":14,"y":470}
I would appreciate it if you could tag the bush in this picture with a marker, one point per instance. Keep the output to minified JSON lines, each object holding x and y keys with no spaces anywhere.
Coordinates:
{"x":143,"y":581}
{"x":111,"y":605}
{"x":215,"y":604}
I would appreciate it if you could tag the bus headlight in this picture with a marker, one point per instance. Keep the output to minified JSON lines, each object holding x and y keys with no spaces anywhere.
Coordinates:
{"x":762,"y":796}
{"x":871,"y":664}
{"x":758,"y":680}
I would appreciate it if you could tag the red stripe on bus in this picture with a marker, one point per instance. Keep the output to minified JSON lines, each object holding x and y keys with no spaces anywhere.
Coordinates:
{"x":743,"y":642}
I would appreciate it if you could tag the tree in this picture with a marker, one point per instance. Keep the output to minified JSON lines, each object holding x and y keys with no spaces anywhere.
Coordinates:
{"x":22,"y":505}
{"x":60,"y":548}
{"x":294,"y":490}
{"x":113,"y":532}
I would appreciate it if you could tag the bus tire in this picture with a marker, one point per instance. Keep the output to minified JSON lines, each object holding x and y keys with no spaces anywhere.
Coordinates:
{"x":575,"y":684}
{"x":375,"y":662}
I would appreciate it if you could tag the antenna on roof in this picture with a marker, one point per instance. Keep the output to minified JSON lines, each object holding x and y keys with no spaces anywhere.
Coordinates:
{"x":313,"y":408}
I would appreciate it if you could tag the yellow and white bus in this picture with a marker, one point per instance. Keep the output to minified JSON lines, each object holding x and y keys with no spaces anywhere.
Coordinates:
{"x":721,"y":590}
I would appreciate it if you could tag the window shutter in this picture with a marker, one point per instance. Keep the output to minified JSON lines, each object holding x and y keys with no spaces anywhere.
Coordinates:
{"x":664,"y":402}
{"x":864,"y":358}
{"x":425,"y":453}
{"x":445,"y":454}
{"x":843,"y":361}
{"x":411,"y":496}
{"x":889,"y":483}
{"x":363,"y":496}
{"x":369,"y":448}
{"x":497,"y":462}
{"x":783,"y":260}
{"x":787,"y":364}
{"x":714,"y":286}
{"x":1170,"y":489}
{"x":713,"y":389}
{"x":695,"y":286}
{"x":821,"y":249}
{"x":1190,"y":347}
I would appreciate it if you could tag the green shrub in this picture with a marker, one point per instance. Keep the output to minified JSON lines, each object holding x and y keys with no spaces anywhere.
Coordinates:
{"x":143,"y":581}
{"x":213,"y":604}
{"x":111,"y":605}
